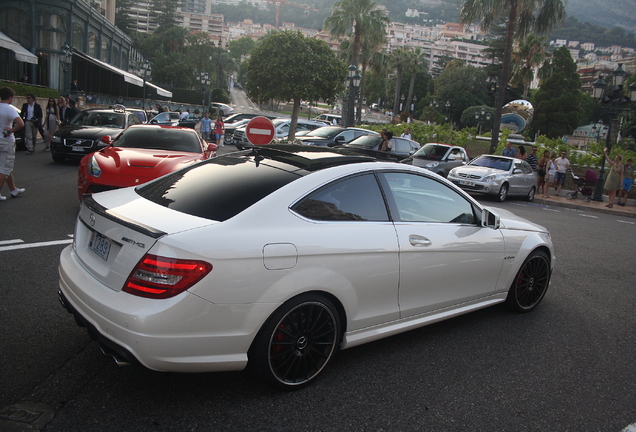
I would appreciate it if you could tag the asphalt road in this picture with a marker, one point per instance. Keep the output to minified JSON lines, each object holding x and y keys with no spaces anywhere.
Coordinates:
{"x":568,"y":366}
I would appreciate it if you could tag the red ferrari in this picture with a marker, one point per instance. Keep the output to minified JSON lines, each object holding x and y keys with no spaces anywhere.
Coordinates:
{"x":139,"y":154}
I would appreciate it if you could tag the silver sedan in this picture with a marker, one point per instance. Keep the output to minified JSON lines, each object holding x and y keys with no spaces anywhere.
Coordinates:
{"x":496,"y":175}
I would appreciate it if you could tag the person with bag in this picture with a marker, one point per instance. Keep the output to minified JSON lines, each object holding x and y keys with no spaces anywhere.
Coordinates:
{"x":52,"y":122}
{"x":219,"y":130}
{"x":551,"y":173}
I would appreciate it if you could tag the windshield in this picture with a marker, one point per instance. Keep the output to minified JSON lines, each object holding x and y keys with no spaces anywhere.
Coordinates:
{"x":100,"y":119}
{"x":432,"y":151}
{"x":366,"y":141}
{"x":492,"y":162}
{"x":325,"y":132}
{"x":159,"y":138}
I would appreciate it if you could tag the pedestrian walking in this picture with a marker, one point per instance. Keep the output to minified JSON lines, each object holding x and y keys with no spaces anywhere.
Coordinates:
{"x":541,"y":172}
{"x":550,"y":174}
{"x":10,"y":123}
{"x":206,"y":126}
{"x":219,"y":130}
{"x":32,"y":116}
{"x":562,"y":167}
{"x":52,"y":122}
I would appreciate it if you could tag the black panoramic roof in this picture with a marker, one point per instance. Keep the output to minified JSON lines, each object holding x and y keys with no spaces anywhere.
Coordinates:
{"x":309,"y":158}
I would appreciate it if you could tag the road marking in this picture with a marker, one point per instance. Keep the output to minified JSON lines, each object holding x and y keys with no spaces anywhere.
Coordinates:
{"x":6,"y":242}
{"x":589,"y":216}
{"x":626,"y":222}
{"x":630,"y":428}
{"x":22,"y":245}
{"x":552,"y":210}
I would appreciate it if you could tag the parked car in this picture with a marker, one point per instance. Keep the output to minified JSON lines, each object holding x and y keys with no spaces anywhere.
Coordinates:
{"x":225,"y":110}
{"x":228,"y":137}
{"x":281,"y":130}
{"x":166,"y":118}
{"x":83,"y":134}
{"x":139,"y":154}
{"x":370,"y":144}
{"x":329,"y":118}
{"x":496,"y":175}
{"x":279,"y":259}
{"x":439,"y":158}
{"x":238,"y":117}
{"x":189,"y":121}
{"x":329,"y":136}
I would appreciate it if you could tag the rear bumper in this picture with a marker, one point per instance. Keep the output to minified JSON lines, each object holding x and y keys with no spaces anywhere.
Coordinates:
{"x":181,"y":334}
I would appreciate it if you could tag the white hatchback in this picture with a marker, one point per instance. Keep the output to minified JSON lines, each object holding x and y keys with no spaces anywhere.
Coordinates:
{"x":277,"y":259}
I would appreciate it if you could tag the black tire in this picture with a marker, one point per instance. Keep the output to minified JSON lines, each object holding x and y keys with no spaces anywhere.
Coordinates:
{"x":503,"y":193}
{"x":297,"y":341}
{"x":530,"y":196}
{"x":57,"y":157}
{"x":531,"y":283}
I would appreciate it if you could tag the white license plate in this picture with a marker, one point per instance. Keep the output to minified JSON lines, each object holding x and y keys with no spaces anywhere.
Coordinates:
{"x":100,"y":245}
{"x":77,"y":148}
{"x":466,"y":183}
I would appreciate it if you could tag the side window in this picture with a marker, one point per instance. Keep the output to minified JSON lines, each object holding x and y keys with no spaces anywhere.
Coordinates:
{"x":519,"y":166}
{"x":355,"y":198}
{"x":348,"y":135}
{"x":421,"y":199}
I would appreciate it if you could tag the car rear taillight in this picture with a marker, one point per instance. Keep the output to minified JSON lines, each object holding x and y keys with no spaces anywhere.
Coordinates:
{"x":160,"y":277}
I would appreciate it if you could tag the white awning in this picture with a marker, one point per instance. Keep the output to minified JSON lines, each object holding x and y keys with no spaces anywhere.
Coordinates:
{"x":160,"y":91}
{"x":128,"y":77}
{"x":21,"y":54}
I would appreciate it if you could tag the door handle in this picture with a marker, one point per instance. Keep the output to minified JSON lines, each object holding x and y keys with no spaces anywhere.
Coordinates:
{"x":417,"y":240}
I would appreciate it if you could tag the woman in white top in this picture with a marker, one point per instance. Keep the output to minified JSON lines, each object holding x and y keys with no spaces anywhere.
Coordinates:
{"x":550,"y":172}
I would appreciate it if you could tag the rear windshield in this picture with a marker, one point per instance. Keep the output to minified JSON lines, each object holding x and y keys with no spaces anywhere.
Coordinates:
{"x":220,"y":188}
{"x":432,"y":151}
{"x":366,"y":141}
{"x":158,"y":138}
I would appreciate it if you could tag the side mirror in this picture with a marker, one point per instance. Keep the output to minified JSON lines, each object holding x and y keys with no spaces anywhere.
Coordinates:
{"x":153,"y":121}
{"x":489,"y":219}
{"x":106,"y":139}
{"x":212,"y":149}
{"x":340,"y":139}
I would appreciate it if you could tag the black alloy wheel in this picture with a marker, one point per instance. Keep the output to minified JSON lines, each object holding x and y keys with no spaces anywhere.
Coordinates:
{"x":298,"y":341}
{"x":531,"y":283}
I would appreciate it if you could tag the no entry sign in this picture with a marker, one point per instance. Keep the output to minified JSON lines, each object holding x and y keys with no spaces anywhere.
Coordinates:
{"x":260,"y":131}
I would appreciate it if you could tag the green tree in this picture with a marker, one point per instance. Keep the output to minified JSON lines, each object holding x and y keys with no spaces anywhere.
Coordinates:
{"x":355,"y":17}
{"x":288,"y":66}
{"x":417,"y":65}
{"x":529,"y":54}
{"x":122,"y":16}
{"x":461,"y":86}
{"x":241,"y":48}
{"x":400,"y":58}
{"x":164,"y":13}
{"x":524,"y":16}
{"x":559,"y":103}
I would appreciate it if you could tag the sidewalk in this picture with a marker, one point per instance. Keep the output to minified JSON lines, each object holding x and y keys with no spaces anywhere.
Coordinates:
{"x":579,"y":203}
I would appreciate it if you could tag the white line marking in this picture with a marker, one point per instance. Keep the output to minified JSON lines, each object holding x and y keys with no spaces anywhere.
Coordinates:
{"x":34,"y":245}
{"x":630,"y":428}
{"x":552,"y":210}
{"x":627,"y":222}
{"x":257,"y":131}
{"x":590,"y":216}
{"x":6,"y":242}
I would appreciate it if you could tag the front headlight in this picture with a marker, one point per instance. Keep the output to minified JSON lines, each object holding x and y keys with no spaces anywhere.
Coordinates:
{"x":488,"y":179}
{"x":93,"y":167}
{"x":56,"y":139}
{"x":431,"y":164}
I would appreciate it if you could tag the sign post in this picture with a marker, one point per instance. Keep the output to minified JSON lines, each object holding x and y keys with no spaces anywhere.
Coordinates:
{"x":260,"y":131}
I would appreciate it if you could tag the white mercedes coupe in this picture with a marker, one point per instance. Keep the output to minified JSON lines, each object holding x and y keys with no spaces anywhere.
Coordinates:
{"x":278,"y":256}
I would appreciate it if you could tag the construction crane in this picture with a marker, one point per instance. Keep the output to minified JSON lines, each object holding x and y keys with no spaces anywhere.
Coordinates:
{"x":278,"y":3}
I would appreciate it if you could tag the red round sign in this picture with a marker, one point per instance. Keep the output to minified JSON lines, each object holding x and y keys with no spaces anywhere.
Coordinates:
{"x":260,"y":131}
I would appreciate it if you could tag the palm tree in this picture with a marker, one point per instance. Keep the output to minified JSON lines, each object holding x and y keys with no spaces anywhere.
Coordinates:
{"x":529,"y":54}
{"x":524,"y":16}
{"x":356,"y":17}
{"x":418,"y":64}
{"x":400,"y":58}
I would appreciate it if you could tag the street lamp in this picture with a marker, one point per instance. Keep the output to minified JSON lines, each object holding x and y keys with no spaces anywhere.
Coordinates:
{"x":218,"y":78}
{"x":482,"y":117}
{"x":613,"y":104}
{"x":204,"y":79}
{"x":448,"y":105}
{"x":348,"y":104}
{"x":401,"y":103}
{"x":66,"y":66}
{"x":413,"y":103}
{"x":145,"y":75}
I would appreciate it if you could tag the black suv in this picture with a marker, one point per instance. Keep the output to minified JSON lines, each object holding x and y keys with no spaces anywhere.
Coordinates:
{"x":83,"y":135}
